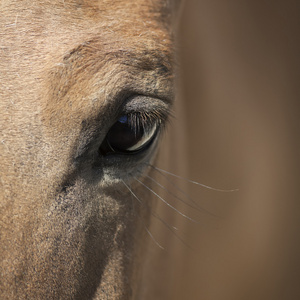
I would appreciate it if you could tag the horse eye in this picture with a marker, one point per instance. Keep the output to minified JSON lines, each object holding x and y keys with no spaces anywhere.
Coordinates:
{"x":129,"y":135}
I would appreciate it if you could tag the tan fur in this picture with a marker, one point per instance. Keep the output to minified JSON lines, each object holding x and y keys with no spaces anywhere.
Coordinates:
{"x":65,"y":68}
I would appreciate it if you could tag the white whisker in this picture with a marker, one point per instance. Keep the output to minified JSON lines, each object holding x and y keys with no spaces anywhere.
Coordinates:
{"x":130,"y":190}
{"x":168,"y":226}
{"x":179,"y":189}
{"x":198,"y":208}
{"x":152,"y":213}
{"x":153,"y":238}
{"x":164,"y":201}
{"x":194,"y":182}
{"x":148,"y":231}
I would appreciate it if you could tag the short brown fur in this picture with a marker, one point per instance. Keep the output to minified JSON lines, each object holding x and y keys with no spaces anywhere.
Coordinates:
{"x":65,"y":68}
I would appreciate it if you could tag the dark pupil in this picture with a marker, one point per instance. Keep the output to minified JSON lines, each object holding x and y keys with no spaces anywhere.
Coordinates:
{"x":123,"y":135}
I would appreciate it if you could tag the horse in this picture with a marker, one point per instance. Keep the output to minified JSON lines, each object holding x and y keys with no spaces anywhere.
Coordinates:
{"x":86,"y":90}
{"x":78,"y":214}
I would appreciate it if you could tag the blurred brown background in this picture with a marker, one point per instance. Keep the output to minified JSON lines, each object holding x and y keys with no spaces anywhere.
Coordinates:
{"x":236,"y":126}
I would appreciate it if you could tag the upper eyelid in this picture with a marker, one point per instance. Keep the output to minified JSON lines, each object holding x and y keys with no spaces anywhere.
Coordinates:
{"x":147,"y":118}
{"x":146,"y":104}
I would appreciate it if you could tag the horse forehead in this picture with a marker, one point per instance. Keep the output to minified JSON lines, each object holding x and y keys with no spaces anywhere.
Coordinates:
{"x":38,"y":35}
{"x":87,"y":10}
{"x":72,"y":21}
